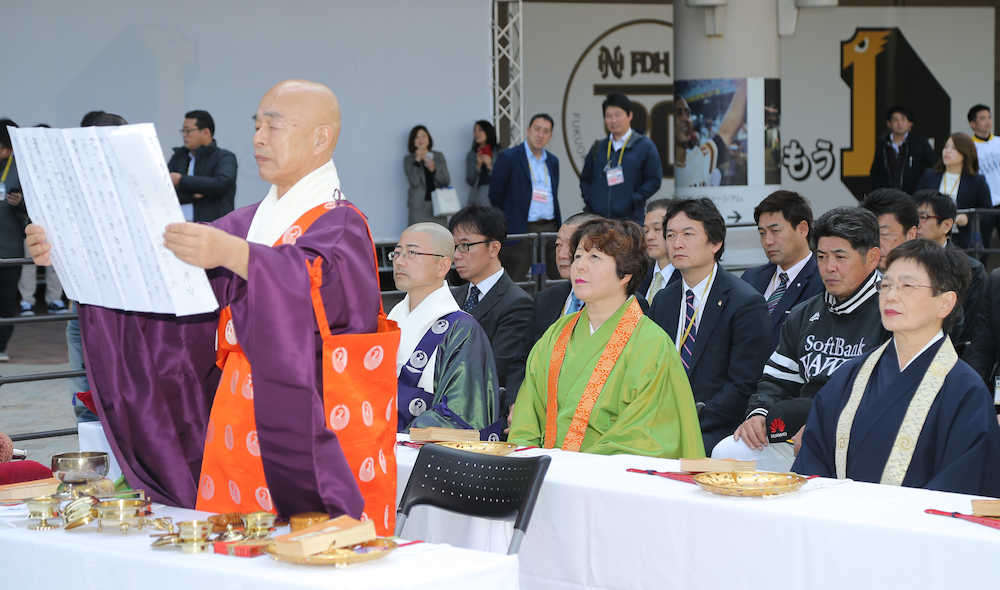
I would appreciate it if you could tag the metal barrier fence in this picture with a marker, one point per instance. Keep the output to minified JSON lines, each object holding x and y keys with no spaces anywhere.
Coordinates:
{"x":540,"y":242}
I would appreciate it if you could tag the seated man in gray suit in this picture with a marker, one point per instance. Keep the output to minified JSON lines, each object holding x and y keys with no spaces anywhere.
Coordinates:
{"x":502,"y":308}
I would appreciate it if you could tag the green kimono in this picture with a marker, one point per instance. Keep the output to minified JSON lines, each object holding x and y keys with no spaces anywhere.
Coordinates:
{"x":645,"y":408}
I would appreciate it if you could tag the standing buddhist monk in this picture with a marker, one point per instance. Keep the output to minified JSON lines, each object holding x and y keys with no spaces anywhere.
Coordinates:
{"x":252,"y":435}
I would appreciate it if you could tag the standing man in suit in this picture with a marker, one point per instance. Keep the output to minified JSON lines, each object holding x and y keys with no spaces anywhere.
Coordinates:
{"x":501,"y":307}
{"x":661,"y":272}
{"x":900,"y":156}
{"x":718,"y":322}
{"x":784,"y":220}
{"x":558,"y":300}
{"x":525,"y":186}
{"x":622,"y":170}
{"x":204,"y":175}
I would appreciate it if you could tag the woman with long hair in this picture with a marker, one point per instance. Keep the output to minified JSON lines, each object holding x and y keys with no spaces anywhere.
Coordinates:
{"x":479,"y":162}
{"x":957,"y":175}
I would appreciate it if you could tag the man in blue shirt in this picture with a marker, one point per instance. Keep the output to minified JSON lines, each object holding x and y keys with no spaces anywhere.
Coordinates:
{"x":525,"y":185}
{"x":622,"y":171}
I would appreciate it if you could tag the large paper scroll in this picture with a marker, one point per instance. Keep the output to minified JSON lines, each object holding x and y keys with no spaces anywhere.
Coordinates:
{"x":104,"y":197}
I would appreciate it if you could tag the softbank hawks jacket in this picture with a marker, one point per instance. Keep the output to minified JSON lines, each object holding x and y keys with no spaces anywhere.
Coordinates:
{"x":818,"y":337}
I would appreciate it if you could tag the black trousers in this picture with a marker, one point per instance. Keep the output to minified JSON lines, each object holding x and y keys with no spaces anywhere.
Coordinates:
{"x":10,"y":301}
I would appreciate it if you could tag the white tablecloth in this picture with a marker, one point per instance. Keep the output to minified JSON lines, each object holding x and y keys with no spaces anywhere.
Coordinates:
{"x":597,"y":526}
{"x":91,"y":438}
{"x":85,"y":559}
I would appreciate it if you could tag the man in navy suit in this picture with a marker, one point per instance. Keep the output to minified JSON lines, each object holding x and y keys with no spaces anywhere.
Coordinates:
{"x":784,"y":220}
{"x":661,"y":272}
{"x":718,"y":322}
{"x":525,"y":186}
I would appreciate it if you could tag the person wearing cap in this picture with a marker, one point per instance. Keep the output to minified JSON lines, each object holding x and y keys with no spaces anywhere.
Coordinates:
{"x":819,"y":336}
{"x":623,"y":170}
{"x":909,"y":412}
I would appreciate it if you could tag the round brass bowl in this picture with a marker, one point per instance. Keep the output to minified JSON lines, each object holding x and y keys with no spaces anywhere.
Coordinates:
{"x":80,"y":466}
{"x":485,"y":447}
{"x":194,"y":531}
{"x":259,"y":524}
{"x":749,"y":483}
{"x":42,"y":509}
{"x":342,"y":557}
{"x":307,"y":519}
{"x":125,"y":513}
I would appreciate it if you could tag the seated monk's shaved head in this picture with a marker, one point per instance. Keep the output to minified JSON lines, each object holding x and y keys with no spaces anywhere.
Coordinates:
{"x":297,"y":125}
{"x":441,"y":240}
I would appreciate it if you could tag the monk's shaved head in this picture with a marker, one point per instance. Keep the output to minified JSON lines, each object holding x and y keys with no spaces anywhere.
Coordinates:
{"x":297,"y":126}
{"x":440,"y":239}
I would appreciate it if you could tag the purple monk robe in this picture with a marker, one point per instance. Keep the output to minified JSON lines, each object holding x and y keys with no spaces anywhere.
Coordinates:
{"x":154,"y":376}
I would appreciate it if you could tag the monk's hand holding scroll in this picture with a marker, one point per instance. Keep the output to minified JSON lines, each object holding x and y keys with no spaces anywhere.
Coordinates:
{"x":207,"y":247}
{"x":753,"y":432}
{"x":38,"y":247}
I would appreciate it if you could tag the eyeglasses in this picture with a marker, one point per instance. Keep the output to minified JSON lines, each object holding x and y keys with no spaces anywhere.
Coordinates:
{"x":886,"y":287}
{"x":464,"y":247}
{"x":187,"y":131}
{"x":409,"y":254}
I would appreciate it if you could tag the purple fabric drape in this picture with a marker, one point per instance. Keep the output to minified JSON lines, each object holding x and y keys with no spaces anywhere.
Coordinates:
{"x":154,"y":376}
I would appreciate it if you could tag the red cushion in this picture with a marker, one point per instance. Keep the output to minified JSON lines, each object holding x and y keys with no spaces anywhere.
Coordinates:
{"x":21,"y":471}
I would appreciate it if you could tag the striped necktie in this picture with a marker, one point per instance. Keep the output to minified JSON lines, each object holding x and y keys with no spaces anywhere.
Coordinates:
{"x":688,"y":347}
{"x":472,"y":300}
{"x":775,"y":297}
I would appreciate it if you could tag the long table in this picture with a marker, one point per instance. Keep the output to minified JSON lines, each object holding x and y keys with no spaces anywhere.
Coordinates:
{"x":85,"y":559}
{"x":596,"y":526}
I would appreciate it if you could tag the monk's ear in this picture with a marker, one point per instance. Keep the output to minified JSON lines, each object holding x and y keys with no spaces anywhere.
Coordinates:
{"x":948,"y":301}
{"x":322,"y":138}
{"x":444,"y":265}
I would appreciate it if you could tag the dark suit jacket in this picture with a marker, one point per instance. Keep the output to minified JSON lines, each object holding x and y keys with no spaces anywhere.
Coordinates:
{"x":917,"y":155}
{"x":505,"y":315}
{"x":732,"y":343}
{"x":973,"y":192}
{"x":806,"y":284}
{"x":547,"y":308}
{"x":646,"y":282}
{"x":214,"y":177}
{"x":510,"y":186}
{"x":983,"y":353}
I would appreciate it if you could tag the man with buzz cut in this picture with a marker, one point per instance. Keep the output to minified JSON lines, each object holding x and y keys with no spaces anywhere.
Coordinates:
{"x":819,"y":336}
{"x":204,"y":175}
{"x":447,"y":375}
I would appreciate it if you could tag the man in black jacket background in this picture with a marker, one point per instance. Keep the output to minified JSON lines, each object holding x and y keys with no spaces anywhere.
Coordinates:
{"x":204,"y":175}
{"x":901,"y":156}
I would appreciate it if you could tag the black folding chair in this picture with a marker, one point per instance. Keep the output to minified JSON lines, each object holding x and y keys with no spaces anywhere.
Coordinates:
{"x":475,"y":484}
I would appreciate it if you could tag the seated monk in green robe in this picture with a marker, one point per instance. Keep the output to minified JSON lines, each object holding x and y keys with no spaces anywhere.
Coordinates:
{"x":607,"y":379}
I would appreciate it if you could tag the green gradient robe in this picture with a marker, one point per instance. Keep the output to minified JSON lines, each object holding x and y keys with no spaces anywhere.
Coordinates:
{"x":645,"y":408}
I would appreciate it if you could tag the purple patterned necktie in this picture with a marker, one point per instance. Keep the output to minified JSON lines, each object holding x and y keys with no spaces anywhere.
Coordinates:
{"x":688,"y":347}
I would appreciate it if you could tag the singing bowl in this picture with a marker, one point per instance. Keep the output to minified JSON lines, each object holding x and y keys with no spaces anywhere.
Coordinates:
{"x":80,"y":466}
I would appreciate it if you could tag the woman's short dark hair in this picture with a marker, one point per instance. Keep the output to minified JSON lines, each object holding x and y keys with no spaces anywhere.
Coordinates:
{"x":491,"y":135}
{"x":413,"y":136}
{"x":963,"y":144}
{"x":705,"y":211}
{"x":947,"y":268}
{"x":621,"y":240}
{"x":488,"y":221}
{"x":942,"y":205}
{"x":856,"y":225}
{"x":792,"y":206}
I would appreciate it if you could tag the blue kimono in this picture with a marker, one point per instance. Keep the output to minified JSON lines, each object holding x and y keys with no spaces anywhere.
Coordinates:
{"x":956,"y":451}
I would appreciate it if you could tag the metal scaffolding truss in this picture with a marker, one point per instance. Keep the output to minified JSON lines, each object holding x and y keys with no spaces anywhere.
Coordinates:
{"x":508,"y":68}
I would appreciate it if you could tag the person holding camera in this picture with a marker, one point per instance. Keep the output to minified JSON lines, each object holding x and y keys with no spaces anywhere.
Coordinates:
{"x":425,"y":170}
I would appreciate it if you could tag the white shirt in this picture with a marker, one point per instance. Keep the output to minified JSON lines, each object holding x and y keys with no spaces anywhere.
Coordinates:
{"x":414,"y":324}
{"x":275,"y":215}
{"x":949,"y":184}
{"x":936,"y":337}
{"x":188,"y":208}
{"x":791,"y":272}
{"x":486,"y":284}
{"x":988,"y":153}
{"x":616,"y":144}
{"x":701,"y":291}
{"x":666,"y":272}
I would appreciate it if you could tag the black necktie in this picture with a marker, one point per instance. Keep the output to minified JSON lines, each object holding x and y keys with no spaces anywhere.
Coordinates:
{"x":472,"y":300}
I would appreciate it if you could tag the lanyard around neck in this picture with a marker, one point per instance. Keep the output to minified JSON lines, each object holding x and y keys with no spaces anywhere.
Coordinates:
{"x":704,"y":292}
{"x":6,"y":169}
{"x":621,"y":154}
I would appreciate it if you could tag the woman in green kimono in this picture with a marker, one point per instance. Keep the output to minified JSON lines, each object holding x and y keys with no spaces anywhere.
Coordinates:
{"x":607,"y":379}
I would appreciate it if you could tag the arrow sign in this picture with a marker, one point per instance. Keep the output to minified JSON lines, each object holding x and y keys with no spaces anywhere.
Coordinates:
{"x":736,"y":217}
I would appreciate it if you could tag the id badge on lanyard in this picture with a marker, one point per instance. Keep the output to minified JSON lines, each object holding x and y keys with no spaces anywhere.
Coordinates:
{"x":540,"y":195}
{"x":615,"y":176}
{"x":3,"y":190}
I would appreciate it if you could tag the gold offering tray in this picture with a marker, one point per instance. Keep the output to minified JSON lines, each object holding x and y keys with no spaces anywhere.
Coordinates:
{"x":749,"y":483}
{"x":342,"y":557}
{"x":486,"y":447}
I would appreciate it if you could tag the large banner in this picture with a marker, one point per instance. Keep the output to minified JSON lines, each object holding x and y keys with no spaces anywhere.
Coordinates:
{"x":845,"y":67}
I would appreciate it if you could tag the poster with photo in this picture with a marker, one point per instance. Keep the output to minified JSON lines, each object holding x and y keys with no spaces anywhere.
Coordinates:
{"x":710,"y":135}
{"x":772,"y":135}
